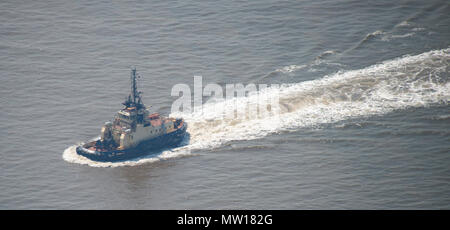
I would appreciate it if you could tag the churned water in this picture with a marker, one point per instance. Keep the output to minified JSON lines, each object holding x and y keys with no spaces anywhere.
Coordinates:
{"x":364,"y":117}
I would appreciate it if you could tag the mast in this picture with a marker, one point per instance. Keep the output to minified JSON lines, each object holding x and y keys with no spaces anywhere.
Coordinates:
{"x":134,"y":99}
{"x":133,"y":85}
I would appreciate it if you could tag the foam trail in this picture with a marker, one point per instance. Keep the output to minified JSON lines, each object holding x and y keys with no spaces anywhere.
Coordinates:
{"x":370,"y":36}
{"x":290,"y":68}
{"x":409,"y":81}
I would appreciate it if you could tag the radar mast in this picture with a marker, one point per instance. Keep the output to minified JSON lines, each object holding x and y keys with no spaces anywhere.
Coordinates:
{"x":134,"y":99}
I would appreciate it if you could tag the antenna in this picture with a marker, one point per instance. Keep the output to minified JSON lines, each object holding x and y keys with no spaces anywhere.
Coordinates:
{"x":133,"y":85}
{"x":134,"y":99}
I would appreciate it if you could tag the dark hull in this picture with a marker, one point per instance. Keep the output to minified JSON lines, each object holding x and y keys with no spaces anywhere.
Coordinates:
{"x":169,"y":140}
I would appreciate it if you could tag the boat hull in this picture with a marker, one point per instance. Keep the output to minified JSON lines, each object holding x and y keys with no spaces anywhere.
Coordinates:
{"x":168,"y":140}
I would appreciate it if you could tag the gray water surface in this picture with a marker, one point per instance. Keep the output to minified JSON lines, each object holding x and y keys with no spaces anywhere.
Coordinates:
{"x":375,"y":137}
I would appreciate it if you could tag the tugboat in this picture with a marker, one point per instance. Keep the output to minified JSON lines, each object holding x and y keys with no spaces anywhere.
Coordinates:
{"x":134,"y":132}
